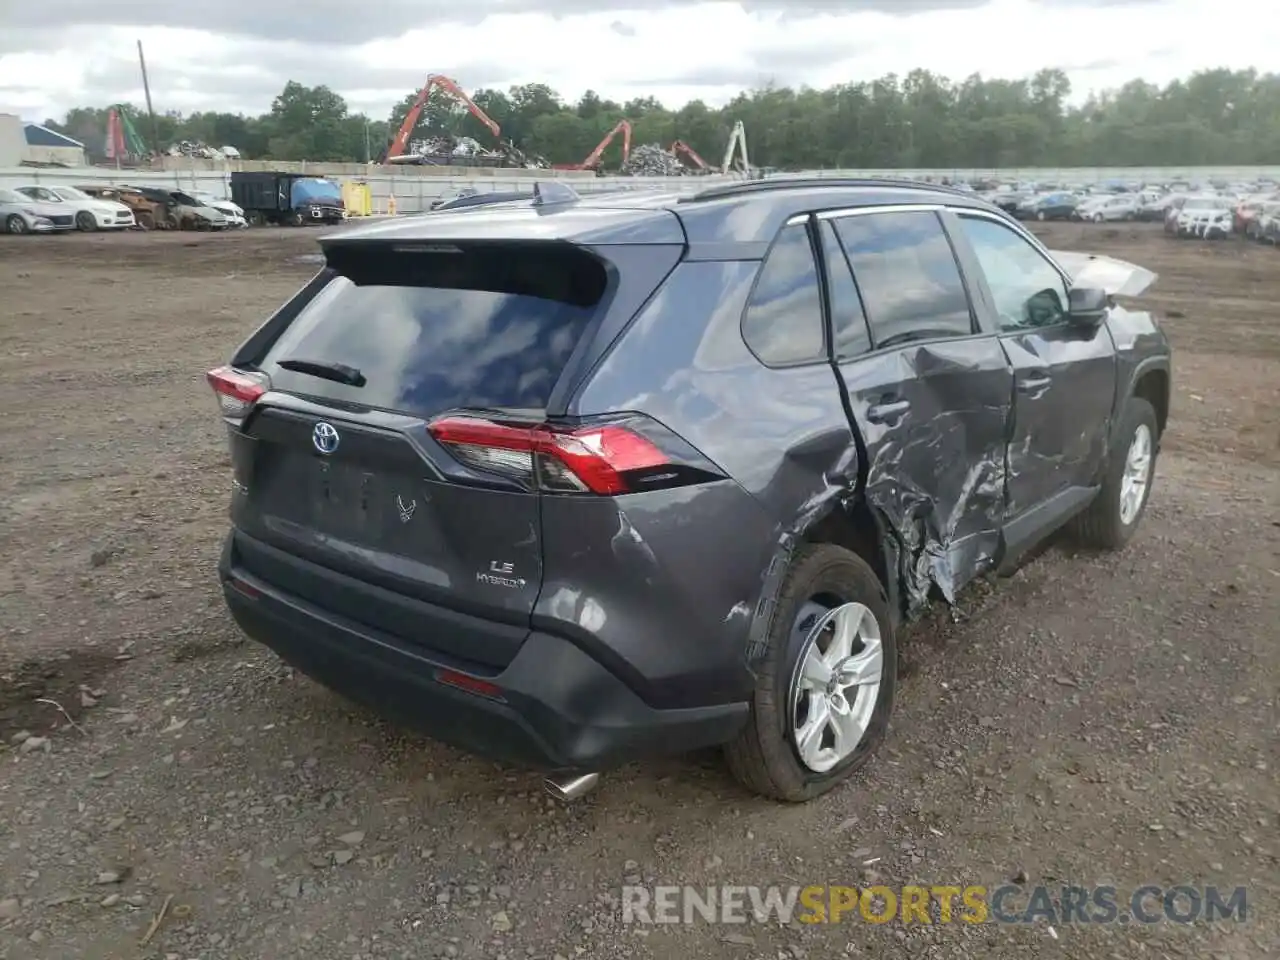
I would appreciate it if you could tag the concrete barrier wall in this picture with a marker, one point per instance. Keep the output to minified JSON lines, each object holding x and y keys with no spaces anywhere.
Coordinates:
{"x":1075,"y":175}
{"x":413,"y":188}
{"x":412,"y":191}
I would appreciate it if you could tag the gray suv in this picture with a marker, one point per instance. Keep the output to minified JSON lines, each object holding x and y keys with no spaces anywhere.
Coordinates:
{"x":567,"y":482}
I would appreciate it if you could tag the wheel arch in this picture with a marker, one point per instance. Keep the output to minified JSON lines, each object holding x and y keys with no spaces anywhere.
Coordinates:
{"x":856,"y":528}
{"x":1151,"y":383}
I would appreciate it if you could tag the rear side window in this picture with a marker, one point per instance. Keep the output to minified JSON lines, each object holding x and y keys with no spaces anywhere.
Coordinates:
{"x":783,"y":322}
{"x":441,"y":328}
{"x":911,"y":286}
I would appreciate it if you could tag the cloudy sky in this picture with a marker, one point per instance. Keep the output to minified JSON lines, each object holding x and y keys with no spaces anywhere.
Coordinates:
{"x":237,"y":54}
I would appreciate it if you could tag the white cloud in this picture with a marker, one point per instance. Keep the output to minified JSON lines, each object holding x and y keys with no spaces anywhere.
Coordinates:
{"x":674,"y":51}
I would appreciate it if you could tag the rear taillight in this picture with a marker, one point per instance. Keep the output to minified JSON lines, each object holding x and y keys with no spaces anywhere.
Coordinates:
{"x":237,"y":390}
{"x":605,"y":459}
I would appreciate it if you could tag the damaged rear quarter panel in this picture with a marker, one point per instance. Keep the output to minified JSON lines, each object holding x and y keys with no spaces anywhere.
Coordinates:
{"x":781,"y":434}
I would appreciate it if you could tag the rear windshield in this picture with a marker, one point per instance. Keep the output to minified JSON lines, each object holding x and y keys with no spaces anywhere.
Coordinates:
{"x":434,"y":330}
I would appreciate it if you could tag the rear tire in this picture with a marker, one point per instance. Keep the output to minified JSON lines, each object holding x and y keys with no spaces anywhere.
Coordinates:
{"x":823,"y":583}
{"x":1112,"y":519}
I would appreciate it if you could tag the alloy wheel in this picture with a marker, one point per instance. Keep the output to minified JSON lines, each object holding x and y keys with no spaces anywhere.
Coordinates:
{"x":1137,"y":475}
{"x":836,"y":683}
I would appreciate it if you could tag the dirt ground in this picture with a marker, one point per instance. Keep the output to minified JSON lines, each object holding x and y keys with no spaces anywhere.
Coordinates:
{"x":1092,"y":720}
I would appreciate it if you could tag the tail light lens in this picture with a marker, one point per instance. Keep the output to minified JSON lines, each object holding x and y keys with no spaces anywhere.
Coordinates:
{"x":604,"y":459}
{"x":237,"y":390}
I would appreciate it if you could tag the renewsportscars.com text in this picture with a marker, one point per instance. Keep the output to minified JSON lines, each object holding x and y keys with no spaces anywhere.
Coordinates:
{"x":1010,"y":903}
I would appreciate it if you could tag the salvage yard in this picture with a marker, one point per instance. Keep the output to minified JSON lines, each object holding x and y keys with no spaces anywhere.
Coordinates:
{"x":1092,"y":720}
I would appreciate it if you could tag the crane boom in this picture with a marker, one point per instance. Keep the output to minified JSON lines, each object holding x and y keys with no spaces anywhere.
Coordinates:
{"x":679,"y":146}
{"x":738,"y":141}
{"x":593,"y":158}
{"x":401,"y":140}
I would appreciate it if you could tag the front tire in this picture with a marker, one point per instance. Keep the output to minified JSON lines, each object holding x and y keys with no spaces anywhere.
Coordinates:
{"x":1112,"y":519}
{"x":86,"y":222}
{"x":825,"y":688}
{"x":15,"y":224}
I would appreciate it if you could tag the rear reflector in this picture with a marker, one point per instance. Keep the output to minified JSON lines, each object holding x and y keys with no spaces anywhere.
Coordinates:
{"x":237,"y":391}
{"x":240,"y":586}
{"x":566,"y":460}
{"x":464,"y":681}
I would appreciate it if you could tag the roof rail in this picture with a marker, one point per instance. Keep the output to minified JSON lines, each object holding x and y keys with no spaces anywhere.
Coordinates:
{"x":785,"y":183}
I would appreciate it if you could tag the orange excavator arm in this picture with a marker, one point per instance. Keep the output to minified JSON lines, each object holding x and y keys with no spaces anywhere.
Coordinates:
{"x":679,"y":146}
{"x":593,"y":158}
{"x":401,"y":141}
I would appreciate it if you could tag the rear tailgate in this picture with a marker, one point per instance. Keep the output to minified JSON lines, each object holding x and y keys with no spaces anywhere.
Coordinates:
{"x":346,"y":499}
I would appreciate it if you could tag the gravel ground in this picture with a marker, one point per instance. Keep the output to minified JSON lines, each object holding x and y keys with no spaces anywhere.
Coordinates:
{"x":1092,"y":720}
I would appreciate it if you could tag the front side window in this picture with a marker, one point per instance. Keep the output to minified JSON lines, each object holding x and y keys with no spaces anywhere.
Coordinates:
{"x":911,"y":287}
{"x":1028,"y":290}
{"x":783,"y":322}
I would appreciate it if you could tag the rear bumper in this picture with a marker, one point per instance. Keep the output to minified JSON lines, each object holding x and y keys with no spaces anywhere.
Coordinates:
{"x":560,"y":709}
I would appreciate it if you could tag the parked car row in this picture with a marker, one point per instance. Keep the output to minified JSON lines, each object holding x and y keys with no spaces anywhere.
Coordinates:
{"x":1212,"y":214}
{"x":36,"y":208}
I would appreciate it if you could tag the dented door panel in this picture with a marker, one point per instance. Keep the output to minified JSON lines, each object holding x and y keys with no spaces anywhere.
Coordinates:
{"x":1065,"y":383}
{"x":935,"y":466}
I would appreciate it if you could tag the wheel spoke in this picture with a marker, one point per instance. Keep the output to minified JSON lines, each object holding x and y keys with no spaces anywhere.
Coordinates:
{"x":846,"y":626}
{"x":809,"y":736}
{"x":815,"y":673}
{"x":848,"y":727}
{"x":866,"y":668}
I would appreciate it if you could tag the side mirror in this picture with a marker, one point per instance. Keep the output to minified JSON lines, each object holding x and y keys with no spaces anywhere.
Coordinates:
{"x":1087,"y":306}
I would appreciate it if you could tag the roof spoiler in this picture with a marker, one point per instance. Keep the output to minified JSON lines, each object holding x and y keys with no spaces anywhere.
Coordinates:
{"x":553,"y":192}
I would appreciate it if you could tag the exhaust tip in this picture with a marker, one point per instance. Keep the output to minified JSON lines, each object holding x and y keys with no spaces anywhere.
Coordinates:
{"x":571,"y":787}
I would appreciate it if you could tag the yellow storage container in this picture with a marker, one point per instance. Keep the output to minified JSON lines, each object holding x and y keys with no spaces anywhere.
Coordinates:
{"x":357,"y":198}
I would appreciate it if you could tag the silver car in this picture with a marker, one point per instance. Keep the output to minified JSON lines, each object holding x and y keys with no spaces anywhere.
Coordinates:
{"x":19,"y":214}
{"x":1123,"y":206}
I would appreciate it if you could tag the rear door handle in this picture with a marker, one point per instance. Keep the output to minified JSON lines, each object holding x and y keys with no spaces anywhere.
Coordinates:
{"x":1032,"y":384}
{"x":890,"y":410}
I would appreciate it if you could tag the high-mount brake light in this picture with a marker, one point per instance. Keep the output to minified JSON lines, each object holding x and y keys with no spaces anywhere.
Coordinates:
{"x":237,"y":390}
{"x":595,"y":459}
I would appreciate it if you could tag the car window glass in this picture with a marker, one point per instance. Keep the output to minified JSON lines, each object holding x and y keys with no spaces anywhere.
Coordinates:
{"x":1028,"y":290}
{"x":783,"y":322}
{"x":907,"y":274}
{"x":848,"y":322}
{"x":486,"y":327}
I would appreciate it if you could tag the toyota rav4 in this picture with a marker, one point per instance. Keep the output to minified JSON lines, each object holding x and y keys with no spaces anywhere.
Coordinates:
{"x":567,"y":481}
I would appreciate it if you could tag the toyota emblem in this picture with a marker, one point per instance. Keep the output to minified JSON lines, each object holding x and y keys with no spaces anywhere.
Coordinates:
{"x":325,"y":437}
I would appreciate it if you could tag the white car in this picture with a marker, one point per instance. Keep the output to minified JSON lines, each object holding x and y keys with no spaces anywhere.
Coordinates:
{"x":232,"y":211}
{"x":20,"y":214}
{"x":1210,"y":218}
{"x":88,"y":213}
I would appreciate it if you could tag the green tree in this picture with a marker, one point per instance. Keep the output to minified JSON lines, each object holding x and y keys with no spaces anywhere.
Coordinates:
{"x":1217,"y":117}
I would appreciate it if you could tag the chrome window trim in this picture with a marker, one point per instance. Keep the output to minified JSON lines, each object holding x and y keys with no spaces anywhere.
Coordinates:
{"x":882,"y":208}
